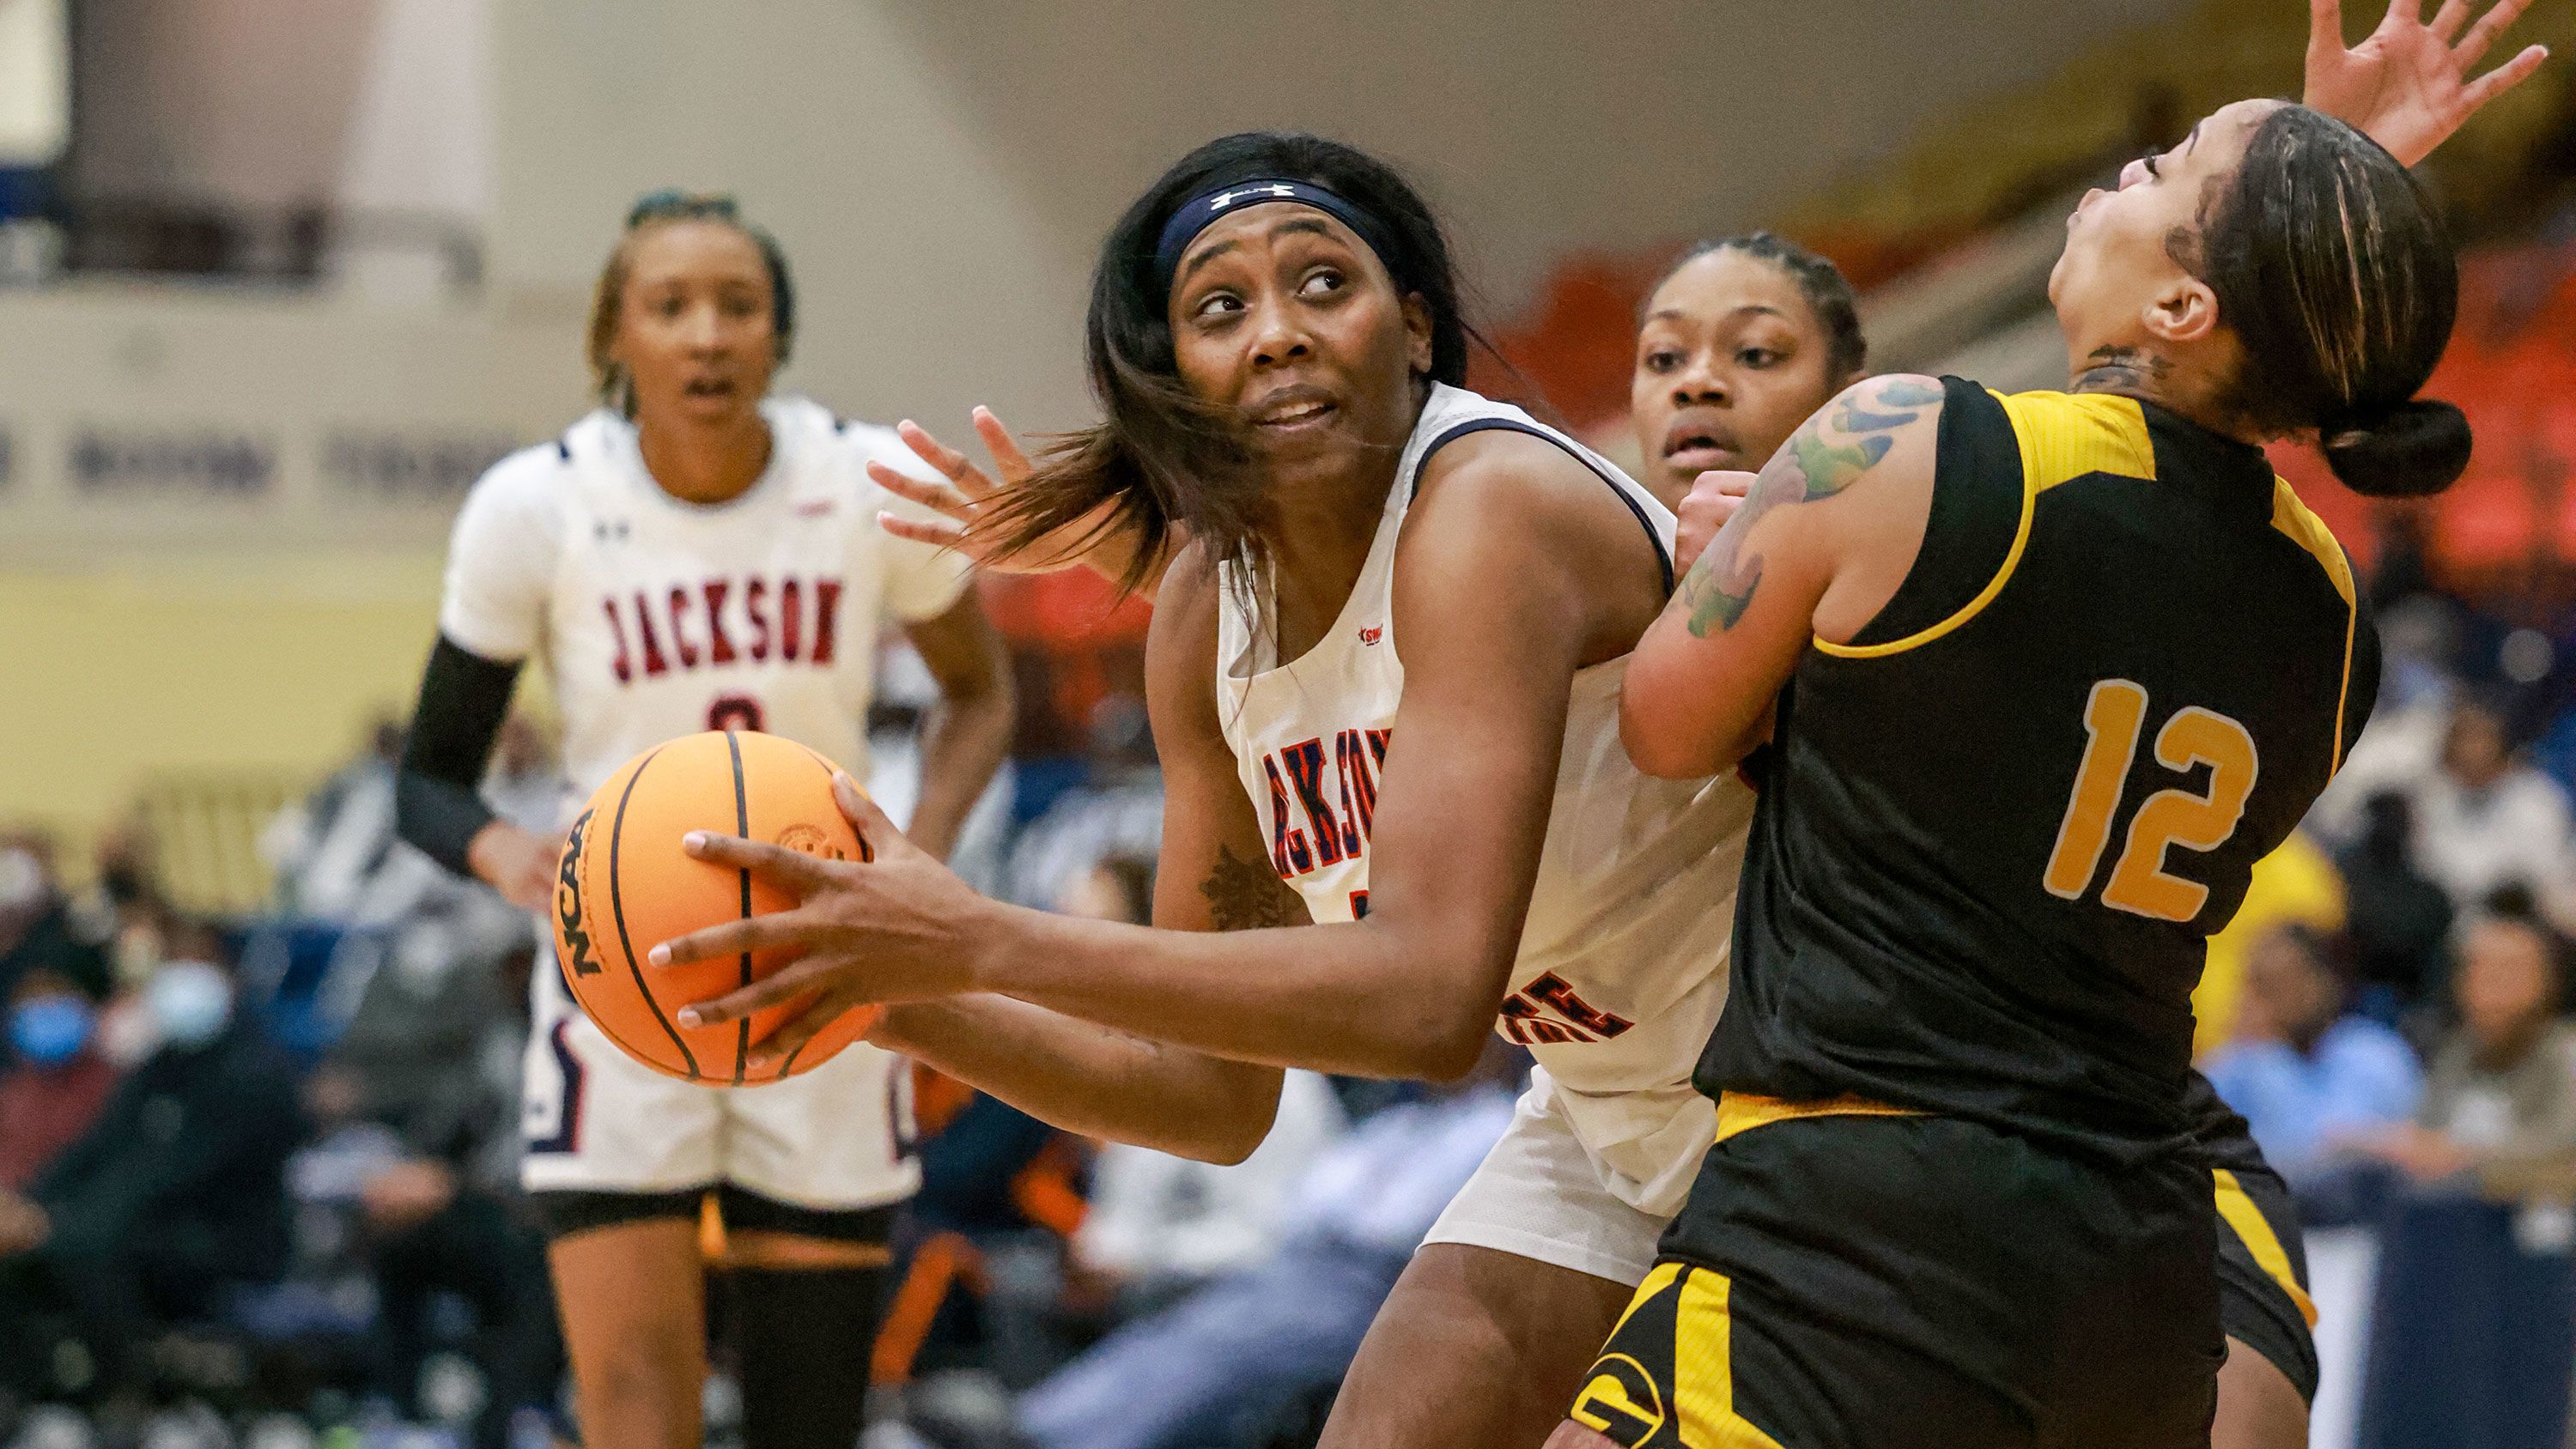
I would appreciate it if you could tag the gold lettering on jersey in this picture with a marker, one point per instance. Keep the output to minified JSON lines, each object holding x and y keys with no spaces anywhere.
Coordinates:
{"x":2115,"y":716}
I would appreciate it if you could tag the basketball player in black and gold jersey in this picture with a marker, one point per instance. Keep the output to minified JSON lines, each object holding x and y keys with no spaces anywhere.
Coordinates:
{"x":2051,"y":673}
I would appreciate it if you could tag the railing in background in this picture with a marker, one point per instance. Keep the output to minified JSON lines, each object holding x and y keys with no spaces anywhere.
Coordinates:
{"x":207,"y":828}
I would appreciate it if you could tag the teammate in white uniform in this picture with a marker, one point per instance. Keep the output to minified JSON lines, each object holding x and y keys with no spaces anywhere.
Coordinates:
{"x":1384,"y":670}
{"x":697,"y":556}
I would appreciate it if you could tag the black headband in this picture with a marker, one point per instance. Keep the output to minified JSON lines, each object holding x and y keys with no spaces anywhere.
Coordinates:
{"x":1204,"y":210}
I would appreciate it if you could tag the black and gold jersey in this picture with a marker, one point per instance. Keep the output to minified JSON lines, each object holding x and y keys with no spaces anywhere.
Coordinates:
{"x":1999,"y":826}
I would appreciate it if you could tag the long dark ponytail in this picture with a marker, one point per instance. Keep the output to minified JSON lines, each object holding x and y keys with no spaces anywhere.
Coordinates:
{"x":1163,"y":458}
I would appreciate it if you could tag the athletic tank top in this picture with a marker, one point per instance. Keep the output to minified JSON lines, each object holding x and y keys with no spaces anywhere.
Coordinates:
{"x":1622,"y":961}
{"x":1998,"y":827}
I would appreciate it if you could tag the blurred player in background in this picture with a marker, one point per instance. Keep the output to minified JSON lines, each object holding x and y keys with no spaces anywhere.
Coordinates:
{"x":697,"y":555}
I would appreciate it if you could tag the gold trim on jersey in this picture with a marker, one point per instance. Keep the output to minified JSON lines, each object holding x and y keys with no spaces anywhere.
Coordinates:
{"x":1743,"y":1111}
{"x":2255,"y":1232}
{"x":2063,"y":436}
{"x":2309,"y":532}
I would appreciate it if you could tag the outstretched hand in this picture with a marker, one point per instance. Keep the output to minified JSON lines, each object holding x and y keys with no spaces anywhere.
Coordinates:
{"x":970,"y":496}
{"x":2407,"y":85}
{"x":898,"y":927}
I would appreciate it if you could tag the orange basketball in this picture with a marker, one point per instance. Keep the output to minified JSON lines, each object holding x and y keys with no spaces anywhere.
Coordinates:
{"x":625,"y":886}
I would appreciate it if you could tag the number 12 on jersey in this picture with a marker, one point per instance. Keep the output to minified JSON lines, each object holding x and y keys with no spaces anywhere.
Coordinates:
{"x":2114,"y":716}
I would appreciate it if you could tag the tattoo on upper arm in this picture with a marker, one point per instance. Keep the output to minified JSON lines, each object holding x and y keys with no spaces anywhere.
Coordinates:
{"x":2122,"y":369}
{"x":1244,"y":895}
{"x":1822,"y":458}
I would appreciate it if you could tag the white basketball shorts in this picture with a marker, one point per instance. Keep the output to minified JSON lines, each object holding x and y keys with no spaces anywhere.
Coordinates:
{"x":1537,"y":1195}
{"x":596,"y":1120}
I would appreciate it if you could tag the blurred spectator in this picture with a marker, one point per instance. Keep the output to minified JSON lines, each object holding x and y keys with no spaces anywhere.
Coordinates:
{"x":2306,"y":1076}
{"x":2403,"y":744}
{"x":336,"y":855}
{"x":2484,"y":821}
{"x":1224,"y":1366}
{"x":125,"y":891}
{"x":1116,"y":888}
{"x":1117,"y":809}
{"x":2500,"y":1101}
{"x":1160,"y":1225}
{"x":56,"y":1082}
{"x":172,"y":1196}
{"x":36,"y":930}
{"x":2400,"y":921}
{"x":2294,"y":885}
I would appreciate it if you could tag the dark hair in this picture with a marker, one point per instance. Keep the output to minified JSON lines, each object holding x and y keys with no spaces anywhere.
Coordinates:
{"x":1827,"y":290}
{"x":1165,"y":457}
{"x":654,"y":209}
{"x":2339,"y":280}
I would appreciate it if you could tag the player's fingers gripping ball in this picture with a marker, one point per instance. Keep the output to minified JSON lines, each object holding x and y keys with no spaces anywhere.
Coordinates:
{"x":624,"y":883}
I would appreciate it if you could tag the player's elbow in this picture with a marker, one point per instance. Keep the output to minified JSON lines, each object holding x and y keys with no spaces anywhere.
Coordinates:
{"x":1448,"y":1033}
{"x":1226,"y":1130}
{"x":1455,"y":1055}
{"x":1656,"y":747}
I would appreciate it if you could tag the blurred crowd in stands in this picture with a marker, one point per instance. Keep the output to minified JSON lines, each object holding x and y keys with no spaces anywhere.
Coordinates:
{"x":258,"y":1176}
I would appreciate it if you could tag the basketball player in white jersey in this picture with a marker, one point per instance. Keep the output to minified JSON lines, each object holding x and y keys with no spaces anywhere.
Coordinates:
{"x":1382,"y":676}
{"x":697,"y":555}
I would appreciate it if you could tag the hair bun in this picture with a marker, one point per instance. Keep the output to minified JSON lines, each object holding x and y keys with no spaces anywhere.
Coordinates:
{"x":2415,"y":448}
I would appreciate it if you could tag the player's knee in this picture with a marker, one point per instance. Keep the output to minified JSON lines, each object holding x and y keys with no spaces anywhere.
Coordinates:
{"x":1571,"y":1435}
{"x":642,"y":1365}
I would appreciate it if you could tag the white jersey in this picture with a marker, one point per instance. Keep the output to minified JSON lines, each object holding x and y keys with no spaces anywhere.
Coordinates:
{"x":1622,"y":961}
{"x":657,"y":618}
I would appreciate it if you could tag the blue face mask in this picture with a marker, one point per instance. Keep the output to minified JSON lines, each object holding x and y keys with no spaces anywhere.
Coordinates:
{"x":46,"y":1030}
{"x":190,"y":1001}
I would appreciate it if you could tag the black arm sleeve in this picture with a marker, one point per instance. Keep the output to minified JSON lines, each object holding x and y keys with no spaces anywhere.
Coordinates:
{"x":463,"y":697}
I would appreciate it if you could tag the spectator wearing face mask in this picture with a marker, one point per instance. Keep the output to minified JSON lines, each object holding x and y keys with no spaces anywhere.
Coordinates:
{"x":56,"y":1082}
{"x":2499,"y":1108}
{"x":173,"y":1195}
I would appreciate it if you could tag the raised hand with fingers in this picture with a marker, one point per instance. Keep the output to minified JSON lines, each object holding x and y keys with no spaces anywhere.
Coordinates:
{"x":970,"y":497}
{"x":899,"y":927}
{"x":2407,"y":84}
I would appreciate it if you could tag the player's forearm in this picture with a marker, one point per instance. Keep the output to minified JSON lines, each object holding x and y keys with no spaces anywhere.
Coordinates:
{"x":1090,"y":1079}
{"x":1365,"y":998}
{"x":962,"y":744}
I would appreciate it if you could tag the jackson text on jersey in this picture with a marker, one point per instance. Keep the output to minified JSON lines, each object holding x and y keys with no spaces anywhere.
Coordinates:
{"x":710,"y":623}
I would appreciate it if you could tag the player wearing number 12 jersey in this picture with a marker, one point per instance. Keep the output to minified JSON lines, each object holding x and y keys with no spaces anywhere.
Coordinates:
{"x":2050,"y":680}
{"x":698,"y":555}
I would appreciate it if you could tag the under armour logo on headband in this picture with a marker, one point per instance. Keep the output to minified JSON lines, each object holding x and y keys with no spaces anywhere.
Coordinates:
{"x":1276,"y":190}
{"x":1200,"y":212}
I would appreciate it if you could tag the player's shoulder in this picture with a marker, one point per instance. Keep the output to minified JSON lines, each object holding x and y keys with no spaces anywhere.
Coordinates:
{"x":534,"y":482}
